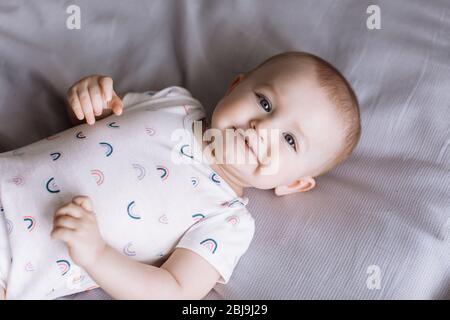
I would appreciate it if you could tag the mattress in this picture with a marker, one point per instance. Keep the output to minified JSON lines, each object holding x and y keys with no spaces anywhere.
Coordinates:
{"x":375,"y":227}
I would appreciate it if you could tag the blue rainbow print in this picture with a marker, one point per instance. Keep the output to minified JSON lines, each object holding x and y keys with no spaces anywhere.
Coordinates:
{"x":63,"y":265}
{"x":31,"y":222}
{"x":214,"y":177}
{"x":194,"y":181}
{"x":184,"y":150}
{"x":235,"y":203}
{"x":113,"y":125}
{"x":80,"y":135}
{"x":210,"y":244}
{"x":55,"y":155}
{"x":140,"y":171}
{"x":127,"y":250}
{"x":164,"y":172}
{"x":53,"y":188}
{"x":130,"y":209}
{"x":109,"y":148}
{"x":198,"y":216}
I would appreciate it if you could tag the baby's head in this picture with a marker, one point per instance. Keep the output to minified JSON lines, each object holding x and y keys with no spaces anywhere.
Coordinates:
{"x":309,"y":102}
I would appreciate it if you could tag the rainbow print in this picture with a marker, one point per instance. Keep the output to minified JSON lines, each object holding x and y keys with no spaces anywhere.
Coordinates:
{"x":130,"y":209}
{"x":235,"y":203}
{"x":109,"y":148}
{"x":55,"y":155}
{"x":127,"y":250}
{"x":150,"y":131}
{"x":98,"y":175}
{"x":140,"y":171}
{"x":80,"y":135}
{"x":194,"y":181}
{"x":214,"y":177}
{"x":198,"y":216}
{"x":113,"y":125}
{"x":209,"y":244}
{"x":233,"y":220}
{"x":53,"y":188}
{"x":9,"y":226}
{"x":18,"y":180}
{"x":29,"y":267}
{"x":163,"y":219}
{"x":185,"y":152}
{"x":63,"y":265}
{"x":31,"y":222}
{"x":164,"y":172}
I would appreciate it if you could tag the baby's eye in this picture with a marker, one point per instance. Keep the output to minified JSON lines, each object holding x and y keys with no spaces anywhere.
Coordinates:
{"x":290,"y":139}
{"x":264,"y":103}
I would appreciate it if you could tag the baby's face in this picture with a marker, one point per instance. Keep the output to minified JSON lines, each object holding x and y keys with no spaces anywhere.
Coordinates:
{"x":310,"y":132}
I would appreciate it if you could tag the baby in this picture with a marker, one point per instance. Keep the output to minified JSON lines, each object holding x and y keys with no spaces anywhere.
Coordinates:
{"x":153,"y":236}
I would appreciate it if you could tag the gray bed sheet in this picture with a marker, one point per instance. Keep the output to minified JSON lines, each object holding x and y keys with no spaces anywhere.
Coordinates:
{"x":384,"y":212}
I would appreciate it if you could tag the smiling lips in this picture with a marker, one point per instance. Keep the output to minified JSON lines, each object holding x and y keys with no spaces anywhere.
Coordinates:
{"x":247,"y":145}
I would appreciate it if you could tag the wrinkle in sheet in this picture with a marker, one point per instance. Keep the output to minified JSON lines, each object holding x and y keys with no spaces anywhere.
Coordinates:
{"x":400,"y":117}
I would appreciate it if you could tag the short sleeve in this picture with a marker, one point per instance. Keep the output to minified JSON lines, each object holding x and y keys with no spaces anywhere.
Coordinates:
{"x":221,"y":239}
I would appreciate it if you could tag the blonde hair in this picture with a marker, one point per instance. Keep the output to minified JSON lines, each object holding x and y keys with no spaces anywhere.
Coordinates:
{"x":339,"y":91}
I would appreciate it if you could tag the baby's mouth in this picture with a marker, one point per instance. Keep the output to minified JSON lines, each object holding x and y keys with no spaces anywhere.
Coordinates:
{"x":247,"y":145}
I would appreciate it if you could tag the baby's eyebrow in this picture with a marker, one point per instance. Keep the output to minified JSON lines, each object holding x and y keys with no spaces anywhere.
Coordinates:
{"x":271,"y":88}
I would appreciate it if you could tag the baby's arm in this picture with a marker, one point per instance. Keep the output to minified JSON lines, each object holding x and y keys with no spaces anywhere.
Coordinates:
{"x":93,"y":98}
{"x":185,"y":275}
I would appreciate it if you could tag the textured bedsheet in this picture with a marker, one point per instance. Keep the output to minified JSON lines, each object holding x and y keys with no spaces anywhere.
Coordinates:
{"x":375,"y":227}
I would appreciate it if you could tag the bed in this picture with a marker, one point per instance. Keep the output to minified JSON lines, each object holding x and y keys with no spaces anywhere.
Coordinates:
{"x":375,"y":227}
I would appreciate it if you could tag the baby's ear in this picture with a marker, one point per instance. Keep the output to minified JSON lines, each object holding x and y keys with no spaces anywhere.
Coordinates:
{"x":300,"y":185}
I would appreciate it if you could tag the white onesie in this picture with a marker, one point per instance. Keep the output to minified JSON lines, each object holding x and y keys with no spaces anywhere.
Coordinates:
{"x":150,"y":191}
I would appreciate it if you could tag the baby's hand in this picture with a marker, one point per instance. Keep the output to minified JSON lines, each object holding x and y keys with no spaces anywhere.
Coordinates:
{"x":93,"y":95}
{"x":75,"y":224}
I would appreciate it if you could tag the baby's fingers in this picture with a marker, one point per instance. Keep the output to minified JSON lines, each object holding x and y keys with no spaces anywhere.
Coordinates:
{"x":86,"y":105}
{"x":63,"y":234}
{"x":70,"y":209}
{"x":75,"y":104}
{"x":84,"y":202}
{"x":106,"y":83}
{"x":66,"y":221}
{"x":98,"y":102}
{"x":116,"y":104}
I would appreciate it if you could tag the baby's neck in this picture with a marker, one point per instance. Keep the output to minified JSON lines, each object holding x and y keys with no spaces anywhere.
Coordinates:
{"x":237,"y":188}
